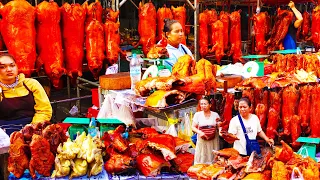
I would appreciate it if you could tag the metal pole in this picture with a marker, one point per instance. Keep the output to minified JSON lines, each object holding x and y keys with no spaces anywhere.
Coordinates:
{"x":190,"y":4}
{"x":78,"y":94}
{"x":89,"y":82}
{"x":196,"y":30}
{"x":122,"y":2}
{"x":83,"y":87}
{"x":71,"y":99}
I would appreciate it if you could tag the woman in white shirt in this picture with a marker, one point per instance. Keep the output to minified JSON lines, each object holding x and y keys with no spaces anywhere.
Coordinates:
{"x":251,"y":123}
{"x":205,"y":143}
{"x":174,"y":33}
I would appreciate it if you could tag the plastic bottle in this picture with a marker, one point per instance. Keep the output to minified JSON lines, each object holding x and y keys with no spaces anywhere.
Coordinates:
{"x":135,"y":71}
{"x":92,"y":127}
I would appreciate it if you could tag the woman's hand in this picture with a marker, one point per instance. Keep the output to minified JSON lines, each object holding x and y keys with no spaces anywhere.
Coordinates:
{"x":270,"y":141}
{"x":291,"y":4}
{"x":202,"y":134}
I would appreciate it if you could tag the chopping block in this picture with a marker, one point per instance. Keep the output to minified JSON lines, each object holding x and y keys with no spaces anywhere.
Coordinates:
{"x":309,"y":147}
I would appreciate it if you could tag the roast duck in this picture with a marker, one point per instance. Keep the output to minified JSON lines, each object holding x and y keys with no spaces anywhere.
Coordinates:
{"x":147,"y":26}
{"x":261,"y":29}
{"x":19,"y":34}
{"x":180,"y":14}
{"x":315,"y":28}
{"x":304,"y":29}
{"x":73,"y":19}
{"x":162,"y":14}
{"x":49,"y":42}
{"x":95,"y":45}
{"x":235,"y":36}
{"x":279,"y":30}
{"x":112,"y":36}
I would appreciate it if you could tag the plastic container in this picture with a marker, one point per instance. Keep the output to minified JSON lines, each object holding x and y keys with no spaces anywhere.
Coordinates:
{"x":135,"y":71}
{"x":109,"y":124}
{"x":95,"y":97}
{"x":78,"y":125}
{"x":92,"y":127}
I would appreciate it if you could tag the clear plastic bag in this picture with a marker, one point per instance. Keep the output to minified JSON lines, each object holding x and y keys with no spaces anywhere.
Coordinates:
{"x":296,"y":174}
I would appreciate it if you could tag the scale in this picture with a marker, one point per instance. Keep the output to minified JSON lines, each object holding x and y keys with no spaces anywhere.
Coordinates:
{"x":253,"y":68}
{"x":159,"y":67}
{"x":309,"y":147}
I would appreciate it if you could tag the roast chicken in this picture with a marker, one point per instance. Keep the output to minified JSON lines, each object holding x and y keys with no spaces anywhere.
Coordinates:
{"x":49,"y":42}
{"x":18,"y":160}
{"x":62,"y":167}
{"x":42,"y":159}
{"x":19,"y":34}
{"x":55,"y":135}
{"x":73,"y":19}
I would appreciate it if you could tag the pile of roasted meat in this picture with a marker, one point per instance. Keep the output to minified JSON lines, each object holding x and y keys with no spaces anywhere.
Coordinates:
{"x":187,"y":77}
{"x":228,"y":164}
{"x":34,"y":148}
{"x":145,"y":150}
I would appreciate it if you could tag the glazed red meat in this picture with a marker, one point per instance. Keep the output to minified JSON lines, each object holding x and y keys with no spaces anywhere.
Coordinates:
{"x":315,"y":28}
{"x":217,"y":40}
{"x":273,"y":123}
{"x":261,"y":112}
{"x":93,"y":11}
{"x":150,"y":165}
{"x":260,"y":23}
{"x":19,"y":33}
{"x":227,"y":112}
{"x":42,"y":159}
{"x":73,"y":18}
{"x":112,"y":37}
{"x":314,"y":113}
{"x":203,"y":30}
{"x":290,"y":98}
{"x":295,"y":130}
{"x":224,"y":18}
{"x":212,"y":17}
{"x":305,"y":105}
{"x":180,"y":14}
{"x":95,"y":46}
{"x":49,"y":42}
{"x":147,"y":26}
{"x":162,"y":13}
{"x":235,"y":36}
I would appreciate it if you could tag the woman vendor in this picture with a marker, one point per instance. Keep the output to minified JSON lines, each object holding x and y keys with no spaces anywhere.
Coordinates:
{"x":204,"y":124}
{"x":22,"y":100}
{"x":174,"y":33}
{"x":252,"y":126}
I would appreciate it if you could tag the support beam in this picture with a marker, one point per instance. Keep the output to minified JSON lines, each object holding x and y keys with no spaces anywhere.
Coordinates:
{"x":196,"y":30}
{"x":134,"y":4}
{"x":191,"y":5}
{"x":122,"y":2}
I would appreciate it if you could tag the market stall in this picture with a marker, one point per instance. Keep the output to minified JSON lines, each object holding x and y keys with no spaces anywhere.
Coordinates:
{"x":282,"y":86}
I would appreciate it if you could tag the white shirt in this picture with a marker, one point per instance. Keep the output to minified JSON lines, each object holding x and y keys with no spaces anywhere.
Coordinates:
{"x":175,"y":53}
{"x":200,"y":119}
{"x":252,"y":126}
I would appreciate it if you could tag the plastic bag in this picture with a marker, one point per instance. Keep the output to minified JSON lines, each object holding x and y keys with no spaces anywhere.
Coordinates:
{"x":171,"y":126}
{"x":303,"y":152}
{"x":296,"y":174}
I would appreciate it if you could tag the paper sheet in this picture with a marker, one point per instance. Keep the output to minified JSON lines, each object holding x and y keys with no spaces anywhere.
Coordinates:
{"x":4,"y":142}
